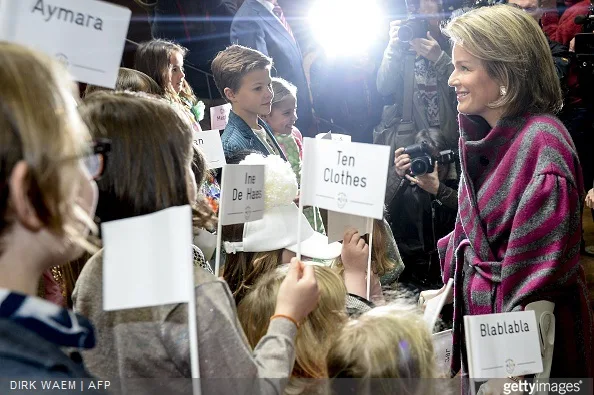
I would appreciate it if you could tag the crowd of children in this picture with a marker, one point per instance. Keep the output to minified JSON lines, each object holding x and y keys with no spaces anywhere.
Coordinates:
{"x":270,"y":324}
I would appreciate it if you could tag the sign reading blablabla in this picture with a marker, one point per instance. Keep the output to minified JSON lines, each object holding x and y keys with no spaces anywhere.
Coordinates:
{"x":242,"y":194}
{"x":87,"y":36}
{"x":219,"y":116}
{"x":345,"y":177}
{"x":210,"y":143}
{"x":502,"y":345}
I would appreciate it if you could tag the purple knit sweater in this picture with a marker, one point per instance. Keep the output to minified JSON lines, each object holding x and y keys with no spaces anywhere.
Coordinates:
{"x":517,"y":235}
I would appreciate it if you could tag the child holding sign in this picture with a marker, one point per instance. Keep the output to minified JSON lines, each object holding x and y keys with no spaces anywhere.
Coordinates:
{"x":242,"y":76}
{"x":282,"y":118}
{"x":315,"y":332}
{"x":258,"y":247}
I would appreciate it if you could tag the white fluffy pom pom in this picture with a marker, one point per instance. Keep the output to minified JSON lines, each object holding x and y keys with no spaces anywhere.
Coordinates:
{"x":280,"y":184}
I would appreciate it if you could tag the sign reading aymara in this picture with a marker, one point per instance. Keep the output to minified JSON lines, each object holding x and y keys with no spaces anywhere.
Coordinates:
{"x":87,"y":36}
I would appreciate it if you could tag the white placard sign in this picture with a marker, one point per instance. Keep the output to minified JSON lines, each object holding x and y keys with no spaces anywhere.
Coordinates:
{"x":219,"y":116}
{"x":242,"y":194}
{"x":345,"y":177}
{"x":155,"y":250}
{"x":88,"y":36}
{"x":443,"y":343}
{"x":502,"y":345}
{"x":338,"y":223}
{"x":210,"y":143}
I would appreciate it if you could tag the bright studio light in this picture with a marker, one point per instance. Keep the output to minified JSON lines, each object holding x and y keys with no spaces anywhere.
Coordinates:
{"x":345,"y":27}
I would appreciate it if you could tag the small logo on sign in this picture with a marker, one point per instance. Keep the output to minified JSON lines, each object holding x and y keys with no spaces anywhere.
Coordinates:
{"x":247,"y":213}
{"x":510,"y":365}
{"x":222,"y":110}
{"x":341,"y":200}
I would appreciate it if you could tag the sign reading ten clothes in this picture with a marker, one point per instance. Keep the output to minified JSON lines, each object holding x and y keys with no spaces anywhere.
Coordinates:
{"x":345,"y":177}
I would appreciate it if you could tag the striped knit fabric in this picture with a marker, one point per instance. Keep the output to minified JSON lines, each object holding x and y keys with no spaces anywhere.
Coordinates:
{"x":517,"y":235}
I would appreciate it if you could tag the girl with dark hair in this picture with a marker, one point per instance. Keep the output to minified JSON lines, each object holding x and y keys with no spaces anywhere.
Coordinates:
{"x":163,"y":61}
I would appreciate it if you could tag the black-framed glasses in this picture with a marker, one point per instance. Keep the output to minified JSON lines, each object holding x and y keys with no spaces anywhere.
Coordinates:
{"x":95,"y":161}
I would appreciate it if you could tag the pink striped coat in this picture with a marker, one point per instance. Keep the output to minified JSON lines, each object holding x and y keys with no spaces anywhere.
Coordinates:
{"x":518,"y":230}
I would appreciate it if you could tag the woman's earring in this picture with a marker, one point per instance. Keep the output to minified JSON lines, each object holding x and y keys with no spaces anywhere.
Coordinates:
{"x":502,"y":90}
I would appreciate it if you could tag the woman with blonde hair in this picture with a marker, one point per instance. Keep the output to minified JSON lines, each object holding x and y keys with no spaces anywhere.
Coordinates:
{"x":315,"y":332}
{"x":389,"y":342}
{"x":517,"y":235}
{"x":47,"y":199}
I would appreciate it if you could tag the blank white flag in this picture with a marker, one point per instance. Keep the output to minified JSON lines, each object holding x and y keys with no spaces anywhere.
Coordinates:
{"x":147,"y":259}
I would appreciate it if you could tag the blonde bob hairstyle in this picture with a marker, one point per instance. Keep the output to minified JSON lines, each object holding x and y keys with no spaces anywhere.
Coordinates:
{"x":315,"y":333}
{"x":515,"y":53}
{"x":39,"y":124}
{"x":386,"y":342}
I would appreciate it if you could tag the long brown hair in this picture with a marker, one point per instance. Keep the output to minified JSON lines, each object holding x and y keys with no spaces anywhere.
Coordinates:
{"x":152,"y":58}
{"x":151,"y":153}
{"x":243,"y":269}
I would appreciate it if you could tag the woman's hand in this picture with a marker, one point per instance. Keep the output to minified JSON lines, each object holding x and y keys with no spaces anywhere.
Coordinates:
{"x":428,"y":48}
{"x":430,"y":294}
{"x":298,"y":294}
{"x":590,"y":198}
{"x":401,"y":162}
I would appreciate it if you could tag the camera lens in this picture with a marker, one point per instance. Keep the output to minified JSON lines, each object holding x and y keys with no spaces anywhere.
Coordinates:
{"x":405,"y":33}
{"x":418,"y":167}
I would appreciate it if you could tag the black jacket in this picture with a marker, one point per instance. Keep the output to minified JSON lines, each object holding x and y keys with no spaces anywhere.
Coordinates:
{"x":418,"y":219}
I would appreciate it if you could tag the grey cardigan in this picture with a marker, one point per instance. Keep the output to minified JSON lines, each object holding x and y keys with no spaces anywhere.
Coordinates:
{"x":389,"y":82}
{"x":153,"y":342}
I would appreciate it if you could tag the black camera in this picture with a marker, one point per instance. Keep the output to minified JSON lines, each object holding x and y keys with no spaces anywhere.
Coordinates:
{"x":422,"y":162}
{"x":413,"y":28}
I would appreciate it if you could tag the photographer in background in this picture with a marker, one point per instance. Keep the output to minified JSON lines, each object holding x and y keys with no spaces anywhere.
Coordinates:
{"x":422,"y":208}
{"x":559,"y":51}
{"x":434,"y":102}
